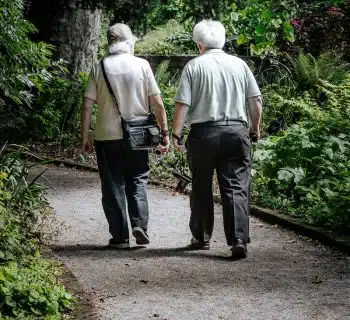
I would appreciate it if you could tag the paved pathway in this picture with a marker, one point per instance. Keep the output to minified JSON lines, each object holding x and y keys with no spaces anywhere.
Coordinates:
{"x":285,"y":276}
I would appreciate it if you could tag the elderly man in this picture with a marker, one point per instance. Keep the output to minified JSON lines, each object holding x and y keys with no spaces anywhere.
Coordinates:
{"x":213,"y":92}
{"x":123,"y":172}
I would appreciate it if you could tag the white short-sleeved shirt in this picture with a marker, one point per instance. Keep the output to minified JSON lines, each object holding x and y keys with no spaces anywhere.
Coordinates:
{"x":132,"y":81}
{"x":216,"y":87}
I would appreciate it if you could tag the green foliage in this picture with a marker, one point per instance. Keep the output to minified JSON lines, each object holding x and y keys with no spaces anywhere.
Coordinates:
{"x":261,"y":24}
{"x":165,"y":11}
{"x":306,"y":88}
{"x":31,"y":291}
{"x":22,"y":203}
{"x":23,"y":62}
{"x":309,"y":71}
{"x":28,"y":285}
{"x":37,"y":100}
{"x":168,"y":85}
{"x":57,"y":108}
{"x":170,"y":38}
{"x":305,"y":169}
{"x":206,"y":9}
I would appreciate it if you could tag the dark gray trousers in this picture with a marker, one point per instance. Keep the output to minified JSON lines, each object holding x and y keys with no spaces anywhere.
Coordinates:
{"x":124,"y":176}
{"x":225,"y":149}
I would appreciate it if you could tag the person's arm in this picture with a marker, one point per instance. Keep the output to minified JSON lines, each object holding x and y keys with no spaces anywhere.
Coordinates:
{"x":255,"y":102}
{"x":90,"y":97}
{"x":180,"y":115}
{"x":255,"y":111}
{"x":86,"y":113}
{"x":157,"y":105}
{"x":183,"y":100}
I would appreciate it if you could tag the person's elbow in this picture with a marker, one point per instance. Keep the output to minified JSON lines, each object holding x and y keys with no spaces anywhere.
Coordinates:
{"x":181,"y":105}
{"x":156,"y":102}
{"x":256,"y":100}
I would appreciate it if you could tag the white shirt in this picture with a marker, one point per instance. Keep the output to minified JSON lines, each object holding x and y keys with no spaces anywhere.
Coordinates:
{"x":216,"y":87}
{"x":132,"y":81}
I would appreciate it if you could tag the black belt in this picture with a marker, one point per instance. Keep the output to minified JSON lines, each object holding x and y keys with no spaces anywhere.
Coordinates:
{"x":219,"y":123}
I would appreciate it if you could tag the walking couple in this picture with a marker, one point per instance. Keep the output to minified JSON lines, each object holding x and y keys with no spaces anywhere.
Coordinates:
{"x":218,"y":97}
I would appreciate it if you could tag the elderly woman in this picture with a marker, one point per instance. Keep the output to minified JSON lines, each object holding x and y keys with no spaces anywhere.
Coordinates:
{"x":213,"y":92}
{"x":123,"y":172}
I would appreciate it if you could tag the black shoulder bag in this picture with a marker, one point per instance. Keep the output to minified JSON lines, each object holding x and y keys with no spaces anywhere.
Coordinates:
{"x":137,"y":134}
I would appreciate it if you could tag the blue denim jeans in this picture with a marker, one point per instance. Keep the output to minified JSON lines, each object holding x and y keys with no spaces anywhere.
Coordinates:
{"x":124,"y":176}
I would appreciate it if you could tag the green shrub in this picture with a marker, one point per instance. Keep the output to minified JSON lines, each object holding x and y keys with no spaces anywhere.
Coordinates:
{"x":28,"y":283}
{"x":305,"y":89}
{"x":22,"y":61}
{"x":305,"y":170}
{"x":31,"y":291}
{"x":171,"y":38}
{"x":168,"y":85}
{"x":57,"y":109}
{"x":21,"y":204}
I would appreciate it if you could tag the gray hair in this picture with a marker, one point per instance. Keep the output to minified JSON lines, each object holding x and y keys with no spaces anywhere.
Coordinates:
{"x":211,"y":34}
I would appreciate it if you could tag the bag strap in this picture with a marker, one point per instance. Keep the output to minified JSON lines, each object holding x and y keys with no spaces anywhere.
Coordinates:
{"x":109,"y":87}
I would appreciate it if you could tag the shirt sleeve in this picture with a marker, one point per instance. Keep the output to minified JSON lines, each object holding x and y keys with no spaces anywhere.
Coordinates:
{"x":91,"y":90}
{"x":252,"y":86}
{"x":184,"y":91}
{"x":152,"y":86}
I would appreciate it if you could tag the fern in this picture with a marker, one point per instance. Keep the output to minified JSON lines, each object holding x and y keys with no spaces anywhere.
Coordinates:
{"x":162,"y":74}
{"x":309,"y":71}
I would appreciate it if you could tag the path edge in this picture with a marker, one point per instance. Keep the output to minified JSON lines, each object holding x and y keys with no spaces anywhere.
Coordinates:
{"x":83,"y":308}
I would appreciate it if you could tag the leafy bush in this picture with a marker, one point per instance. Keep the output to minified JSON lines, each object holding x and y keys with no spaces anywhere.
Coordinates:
{"x":171,"y":38}
{"x":23,"y":61}
{"x":22,"y":203}
{"x":31,"y":291}
{"x":322,"y":26}
{"x":305,"y":169}
{"x":306,"y":87}
{"x":261,"y":24}
{"x":57,"y":108}
{"x":309,"y":71}
{"x":168,"y":85}
{"x":28,"y":285}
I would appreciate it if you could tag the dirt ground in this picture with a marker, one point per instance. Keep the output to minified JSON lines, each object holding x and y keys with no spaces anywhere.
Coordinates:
{"x":285,"y":276}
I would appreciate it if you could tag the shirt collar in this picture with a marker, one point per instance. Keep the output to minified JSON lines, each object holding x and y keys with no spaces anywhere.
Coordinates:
{"x":213,"y":51}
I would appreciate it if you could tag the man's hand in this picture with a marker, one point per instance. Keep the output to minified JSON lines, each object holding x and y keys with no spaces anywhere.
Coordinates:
{"x":180,"y":115}
{"x":179,"y":145}
{"x":87,"y":145}
{"x":254,"y":135}
{"x":164,"y":147}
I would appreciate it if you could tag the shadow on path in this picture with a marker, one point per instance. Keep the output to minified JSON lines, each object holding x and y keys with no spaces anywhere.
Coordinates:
{"x":137,"y":251}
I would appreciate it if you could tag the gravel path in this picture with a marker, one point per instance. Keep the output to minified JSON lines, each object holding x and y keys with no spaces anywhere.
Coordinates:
{"x":284,"y":277}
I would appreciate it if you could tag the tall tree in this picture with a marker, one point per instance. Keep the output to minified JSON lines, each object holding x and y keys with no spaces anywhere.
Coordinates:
{"x":72,"y":29}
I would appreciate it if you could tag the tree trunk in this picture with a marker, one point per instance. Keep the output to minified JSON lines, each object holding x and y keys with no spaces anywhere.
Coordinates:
{"x":76,"y":36}
{"x":72,"y":30}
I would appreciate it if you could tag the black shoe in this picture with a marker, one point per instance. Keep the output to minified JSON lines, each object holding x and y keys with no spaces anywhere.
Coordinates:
{"x":239,"y":249}
{"x":198,"y":245}
{"x":140,"y":235}
{"x":120,"y":245}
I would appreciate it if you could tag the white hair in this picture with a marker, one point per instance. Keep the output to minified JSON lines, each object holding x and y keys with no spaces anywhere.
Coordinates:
{"x":211,"y":34}
{"x":126,"y":46}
